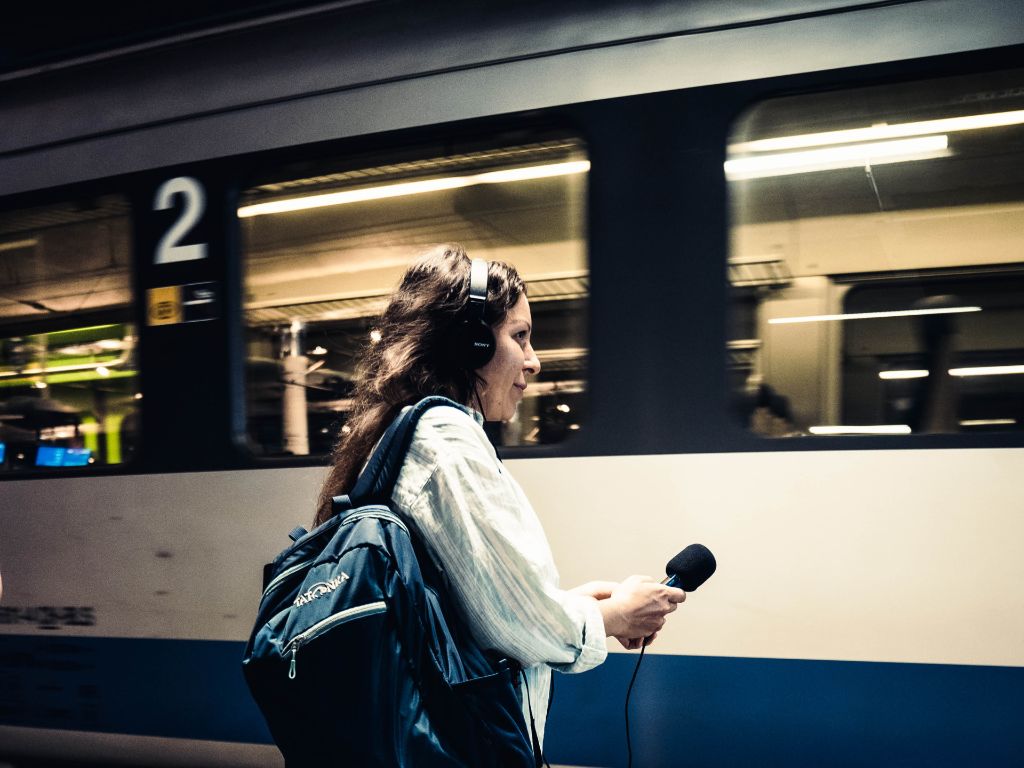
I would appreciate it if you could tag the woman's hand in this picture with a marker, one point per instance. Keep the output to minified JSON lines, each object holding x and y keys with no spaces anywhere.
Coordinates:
{"x":636,"y":609}
{"x":599,"y":590}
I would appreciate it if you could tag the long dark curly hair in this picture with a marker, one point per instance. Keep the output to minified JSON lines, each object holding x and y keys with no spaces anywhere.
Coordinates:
{"x":417,"y":355}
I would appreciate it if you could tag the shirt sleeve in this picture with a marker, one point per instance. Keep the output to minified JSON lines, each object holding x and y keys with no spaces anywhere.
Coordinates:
{"x":483,"y":533}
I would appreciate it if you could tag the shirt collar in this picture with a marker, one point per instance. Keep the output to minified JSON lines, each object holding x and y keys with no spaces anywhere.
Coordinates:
{"x":477,"y":416}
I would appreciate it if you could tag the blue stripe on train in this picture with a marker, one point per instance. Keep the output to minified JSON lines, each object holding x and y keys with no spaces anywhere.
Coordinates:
{"x":178,"y":688}
{"x":686,"y":711}
{"x":698,"y":711}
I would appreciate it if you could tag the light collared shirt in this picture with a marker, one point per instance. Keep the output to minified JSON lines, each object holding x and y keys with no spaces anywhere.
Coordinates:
{"x":480,"y":528}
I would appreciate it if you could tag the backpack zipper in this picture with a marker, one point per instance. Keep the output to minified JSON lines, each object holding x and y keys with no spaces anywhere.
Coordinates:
{"x":356,"y":612}
{"x":276,"y":581}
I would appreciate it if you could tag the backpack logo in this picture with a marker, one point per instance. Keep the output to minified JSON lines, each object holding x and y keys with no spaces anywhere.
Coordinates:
{"x":320,"y":589}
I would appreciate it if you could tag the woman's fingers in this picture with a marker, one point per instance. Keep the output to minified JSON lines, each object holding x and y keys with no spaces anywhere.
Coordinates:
{"x":646,"y":603}
{"x":599,"y":590}
{"x":637,"y":608}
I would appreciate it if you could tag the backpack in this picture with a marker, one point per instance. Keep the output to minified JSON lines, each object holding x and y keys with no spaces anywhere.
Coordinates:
{"x":358,"y":656}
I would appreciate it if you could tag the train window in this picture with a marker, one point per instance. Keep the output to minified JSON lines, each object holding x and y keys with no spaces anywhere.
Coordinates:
{"x":876,"y":259}
{"x":69,"y":393}
{"x":326,"y":246}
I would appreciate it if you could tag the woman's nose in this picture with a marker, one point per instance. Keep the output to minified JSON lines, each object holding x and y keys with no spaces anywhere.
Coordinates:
{"x":532,"y":363}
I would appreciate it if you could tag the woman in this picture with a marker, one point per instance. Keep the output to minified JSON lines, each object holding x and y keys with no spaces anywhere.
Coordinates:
{"x":454,"y":492}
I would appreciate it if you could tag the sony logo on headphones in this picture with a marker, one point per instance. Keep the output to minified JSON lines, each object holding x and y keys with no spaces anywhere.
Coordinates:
{"x":482,"y":344}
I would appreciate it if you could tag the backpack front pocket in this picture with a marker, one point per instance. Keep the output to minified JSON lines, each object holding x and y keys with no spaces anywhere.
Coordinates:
{"x":326,"y":625}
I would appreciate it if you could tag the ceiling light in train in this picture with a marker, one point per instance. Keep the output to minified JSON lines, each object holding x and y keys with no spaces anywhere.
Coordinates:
{"x":870,"y":429}
{"x":15,"y":245}
{"x":987,"y":422}
{"x":882,"y":131}
{"x":910,"y":374}
{"x":983,"y":370}
{"x":414,"y":188}
{"x":831,"y":158}
{"x":51,"y":369}
{"x":988,"y":370}
{"x":872,"y":315}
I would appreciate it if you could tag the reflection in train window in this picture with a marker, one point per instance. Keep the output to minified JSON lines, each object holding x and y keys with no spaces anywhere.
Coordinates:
{"x":324,"y":250}
{"x":69,"y":393}
{"x":876,"y":260}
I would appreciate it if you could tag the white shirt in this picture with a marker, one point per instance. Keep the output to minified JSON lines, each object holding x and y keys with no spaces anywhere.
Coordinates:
{"x":479,"y":526}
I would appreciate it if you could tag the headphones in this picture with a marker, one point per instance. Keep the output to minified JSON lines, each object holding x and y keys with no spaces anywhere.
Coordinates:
{"x":476,"y":345}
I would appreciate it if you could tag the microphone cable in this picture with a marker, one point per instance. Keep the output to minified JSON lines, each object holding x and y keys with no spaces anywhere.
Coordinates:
{"x":629,"y":691}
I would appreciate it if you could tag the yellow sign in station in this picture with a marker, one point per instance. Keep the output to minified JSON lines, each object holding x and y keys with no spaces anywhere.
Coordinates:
{"x":163,"y":305}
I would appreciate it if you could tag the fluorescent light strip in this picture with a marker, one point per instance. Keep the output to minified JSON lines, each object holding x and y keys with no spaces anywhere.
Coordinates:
{"x":988,"y":370}
{"x":882,"y":131}
{"x":413,"y":188}
{"x":987,"y":422}
{"x":66,"y":369}
{"x":13,"y":245}
{"x":831,"y":158}
{"x":912,"y":374}
{"x":877,"y":429}
{"x":985,"y":370}
{"x":531,"y":172}
{"x":873,"y":315}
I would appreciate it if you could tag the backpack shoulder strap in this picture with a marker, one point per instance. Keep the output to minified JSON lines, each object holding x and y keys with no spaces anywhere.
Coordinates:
{"x":377,"y":480}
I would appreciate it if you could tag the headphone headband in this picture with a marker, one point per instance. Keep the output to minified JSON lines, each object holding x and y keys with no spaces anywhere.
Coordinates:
{"x":477,"y":290}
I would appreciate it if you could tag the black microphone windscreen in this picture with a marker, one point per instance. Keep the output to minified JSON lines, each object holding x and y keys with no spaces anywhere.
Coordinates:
{"x":691,"y":567}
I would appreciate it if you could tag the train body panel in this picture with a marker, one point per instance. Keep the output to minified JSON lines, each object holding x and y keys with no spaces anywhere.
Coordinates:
{"x":827,"y":585}
{"x":919,"y":547}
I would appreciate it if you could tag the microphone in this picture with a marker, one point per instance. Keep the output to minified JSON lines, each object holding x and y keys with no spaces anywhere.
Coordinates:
{"x":690,"y":568}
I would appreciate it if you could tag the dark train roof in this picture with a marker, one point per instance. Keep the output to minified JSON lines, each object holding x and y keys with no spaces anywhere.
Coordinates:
{"x":41,"y":36}
{"x":42,"y":33}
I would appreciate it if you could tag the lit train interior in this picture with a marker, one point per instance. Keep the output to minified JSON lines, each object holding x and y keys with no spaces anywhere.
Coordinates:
{"x":321,"y":255}
{"x":877,"y":285}
{"x":69,"y":392}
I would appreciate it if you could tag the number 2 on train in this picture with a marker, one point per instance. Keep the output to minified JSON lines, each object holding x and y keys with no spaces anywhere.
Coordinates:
{"x":169,"y":248}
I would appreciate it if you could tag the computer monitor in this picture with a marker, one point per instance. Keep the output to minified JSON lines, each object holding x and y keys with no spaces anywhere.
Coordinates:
{"x":59,"y":456}
{"x":76,"y":457}
{"x":49,"y":456}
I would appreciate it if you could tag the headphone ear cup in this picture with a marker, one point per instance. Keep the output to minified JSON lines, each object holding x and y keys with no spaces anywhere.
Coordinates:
{"x":478,"y":344}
